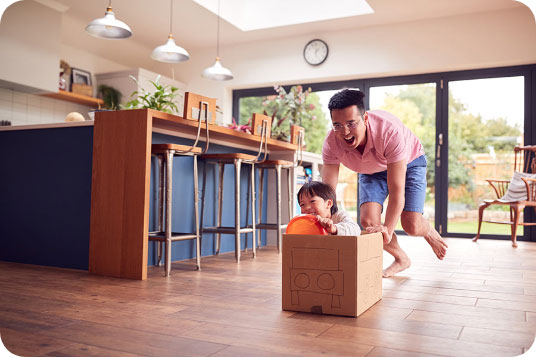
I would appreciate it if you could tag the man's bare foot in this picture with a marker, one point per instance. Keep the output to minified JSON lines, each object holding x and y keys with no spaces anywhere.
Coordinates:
{"x":397,"y":266}
{"x":438,"y":244}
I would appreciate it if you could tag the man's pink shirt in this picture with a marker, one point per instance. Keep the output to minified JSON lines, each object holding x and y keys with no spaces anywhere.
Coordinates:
{"x":388,"y":141}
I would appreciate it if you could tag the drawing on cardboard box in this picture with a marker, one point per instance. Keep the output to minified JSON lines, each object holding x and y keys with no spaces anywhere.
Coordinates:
{"x":305,"y":275}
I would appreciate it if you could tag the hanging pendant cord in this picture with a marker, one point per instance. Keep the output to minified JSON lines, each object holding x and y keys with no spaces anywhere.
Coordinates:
{"x":218,"y":33}
{"x":170,"y":16}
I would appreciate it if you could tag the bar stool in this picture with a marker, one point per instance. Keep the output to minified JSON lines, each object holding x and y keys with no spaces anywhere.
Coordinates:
{"x":236,"y":159}
{"x":164,"y":234}
{"x":297,"y":134}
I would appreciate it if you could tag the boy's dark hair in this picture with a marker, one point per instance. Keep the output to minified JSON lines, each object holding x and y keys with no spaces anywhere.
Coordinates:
{"x":322,"y":190}
{"x":346,"y":98}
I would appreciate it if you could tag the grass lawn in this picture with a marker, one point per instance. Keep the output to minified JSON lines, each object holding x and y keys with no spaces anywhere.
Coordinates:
{"x":472,"y":226}
{"x":487,"y":228}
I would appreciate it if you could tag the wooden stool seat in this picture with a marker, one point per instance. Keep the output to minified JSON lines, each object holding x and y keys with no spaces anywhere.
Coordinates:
{"x":161,"y":148}
{"x":230,"y":157}
{"x":271,"y":163}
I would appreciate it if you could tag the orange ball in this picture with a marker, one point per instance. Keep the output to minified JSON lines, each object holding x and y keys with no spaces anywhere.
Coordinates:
{"x":305,"y":224}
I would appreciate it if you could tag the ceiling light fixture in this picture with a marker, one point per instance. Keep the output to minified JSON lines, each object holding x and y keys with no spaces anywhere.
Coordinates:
{"x":170,"y":52}
{"x":108,"y":27}
{"x":217,"y":72}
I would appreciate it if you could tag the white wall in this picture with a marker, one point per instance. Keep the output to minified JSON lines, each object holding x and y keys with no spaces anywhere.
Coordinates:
{"x":29,"y":42}
{"x":499,"y":38}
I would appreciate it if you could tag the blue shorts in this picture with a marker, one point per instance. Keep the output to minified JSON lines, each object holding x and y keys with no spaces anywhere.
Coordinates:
{"x":373,"y":187}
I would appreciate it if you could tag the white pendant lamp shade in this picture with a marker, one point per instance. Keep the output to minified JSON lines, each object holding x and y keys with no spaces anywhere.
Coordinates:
{"x":217,"y":72}
{"x":170,"y":52}
{"x":108,"y":27}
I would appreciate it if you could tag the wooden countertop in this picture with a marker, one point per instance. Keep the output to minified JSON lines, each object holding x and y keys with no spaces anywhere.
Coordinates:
{"x":178,"y":124}
{"x":175,"y":125}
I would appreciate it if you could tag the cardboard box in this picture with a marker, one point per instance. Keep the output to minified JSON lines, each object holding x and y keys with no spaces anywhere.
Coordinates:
{"x":335,"y":275}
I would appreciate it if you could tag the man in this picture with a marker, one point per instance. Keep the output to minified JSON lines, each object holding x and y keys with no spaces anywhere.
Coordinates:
{"x":391,"y":162}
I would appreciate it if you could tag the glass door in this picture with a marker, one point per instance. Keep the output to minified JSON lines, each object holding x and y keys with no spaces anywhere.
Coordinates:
{"x":415,"y":106}
{"x":485,"y":122}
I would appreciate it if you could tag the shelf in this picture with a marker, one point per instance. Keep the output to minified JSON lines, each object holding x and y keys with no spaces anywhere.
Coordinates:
{"x":76,"y":98}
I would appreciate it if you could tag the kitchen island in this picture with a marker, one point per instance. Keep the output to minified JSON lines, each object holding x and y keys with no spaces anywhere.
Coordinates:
{"x":77,"y":195}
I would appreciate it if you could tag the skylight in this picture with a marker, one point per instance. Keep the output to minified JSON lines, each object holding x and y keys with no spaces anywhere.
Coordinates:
{"x":248,"y":15}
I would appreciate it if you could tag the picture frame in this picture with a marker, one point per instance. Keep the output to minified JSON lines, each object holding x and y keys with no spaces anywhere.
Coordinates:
{"x":79,"y":76}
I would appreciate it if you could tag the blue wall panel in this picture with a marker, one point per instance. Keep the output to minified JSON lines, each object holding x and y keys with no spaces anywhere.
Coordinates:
{"x":45,"y":196}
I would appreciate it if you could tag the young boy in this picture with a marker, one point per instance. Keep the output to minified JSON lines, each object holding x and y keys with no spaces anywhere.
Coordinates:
{"x":319,"y":199}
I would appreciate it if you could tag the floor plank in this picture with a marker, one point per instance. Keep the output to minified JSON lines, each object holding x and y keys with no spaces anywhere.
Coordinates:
{"x":415,"y":343}
{"x":275,"y":342}
{"x":132,"y":340}
{"x":495,"y":337}
{"x":484,"y":322}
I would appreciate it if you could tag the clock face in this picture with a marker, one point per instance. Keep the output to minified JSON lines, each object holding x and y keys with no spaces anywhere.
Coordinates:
{"x":315,"y":52}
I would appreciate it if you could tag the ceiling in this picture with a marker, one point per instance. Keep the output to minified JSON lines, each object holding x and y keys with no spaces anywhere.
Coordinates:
{"x":194,"y":27}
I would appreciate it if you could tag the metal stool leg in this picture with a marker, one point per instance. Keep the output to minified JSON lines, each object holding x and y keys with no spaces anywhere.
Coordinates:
{"x":203,"y":190}
{"x":196,"y":215}
{"x":169,"y":171}
{"x":160,"y":208}
{"x":221,"y":170}
{"x":253,"y":218}
{"x":261,"y":188}
{"x":278,"y":205}
{"x":248,"y":198}
{"x":237,"y":165}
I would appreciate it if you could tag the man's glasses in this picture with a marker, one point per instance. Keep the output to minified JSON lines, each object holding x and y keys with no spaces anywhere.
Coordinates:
{"x":349,"y":125}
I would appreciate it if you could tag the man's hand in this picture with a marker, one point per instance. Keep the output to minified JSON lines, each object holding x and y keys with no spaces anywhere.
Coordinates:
{"x":383,"y":230}
{"x":327,"y":224}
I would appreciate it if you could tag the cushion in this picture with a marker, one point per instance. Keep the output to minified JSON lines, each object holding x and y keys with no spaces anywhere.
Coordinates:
{"x":517,"y":191}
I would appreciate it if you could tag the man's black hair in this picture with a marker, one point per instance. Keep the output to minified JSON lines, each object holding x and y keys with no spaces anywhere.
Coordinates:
{"x":346,"y":98}
{"x":322,"y":190}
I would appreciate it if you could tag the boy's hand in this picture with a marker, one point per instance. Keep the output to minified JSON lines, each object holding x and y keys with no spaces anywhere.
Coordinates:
{"x":383,"y":230}
{"x":327,"y":224}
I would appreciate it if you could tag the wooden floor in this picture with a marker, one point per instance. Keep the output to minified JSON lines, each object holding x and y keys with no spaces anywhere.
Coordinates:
{"x":479,"y":301}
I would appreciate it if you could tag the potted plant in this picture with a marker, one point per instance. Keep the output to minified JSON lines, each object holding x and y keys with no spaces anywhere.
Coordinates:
{"x":162,"y":99}
{"x":110,"y":96}
{"x":288,"y":109}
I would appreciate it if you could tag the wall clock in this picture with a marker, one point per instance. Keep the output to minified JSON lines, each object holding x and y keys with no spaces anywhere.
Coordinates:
{"x":315,"y":52}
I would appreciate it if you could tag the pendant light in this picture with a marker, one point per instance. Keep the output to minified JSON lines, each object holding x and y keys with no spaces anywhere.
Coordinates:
{"x":170,"y":52}
{"x":217,"y":72}
{"x":108,"y":27}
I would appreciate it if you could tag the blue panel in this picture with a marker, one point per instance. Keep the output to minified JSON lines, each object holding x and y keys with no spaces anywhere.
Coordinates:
{"x":45,"y":196}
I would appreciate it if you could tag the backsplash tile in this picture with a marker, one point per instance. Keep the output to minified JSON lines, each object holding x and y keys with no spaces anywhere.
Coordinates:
{"x":26,"y":109}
